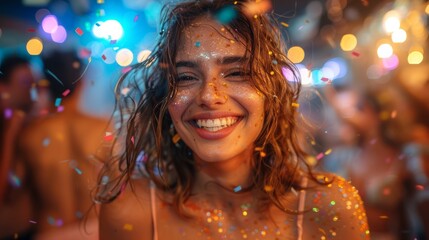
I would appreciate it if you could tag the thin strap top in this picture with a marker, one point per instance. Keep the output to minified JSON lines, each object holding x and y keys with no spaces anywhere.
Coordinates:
{"x":300,"y":218}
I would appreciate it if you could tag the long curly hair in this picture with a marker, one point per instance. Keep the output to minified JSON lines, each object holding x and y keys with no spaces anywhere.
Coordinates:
{"x":143,"y":121}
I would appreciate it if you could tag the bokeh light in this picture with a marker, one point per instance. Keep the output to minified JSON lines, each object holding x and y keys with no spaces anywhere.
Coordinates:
{"x":296,"y":54}
{"x":110,"y":30}
{"x":391,"y":62}
{"x":348,"y":42}
{"x":399,"y":36}
{"x":415,"y":57}
{"x":34,"y":46}
{"x":60,"y":35}
{"x":385,"y":50}
{"x":109,"y":55}
{"x":391,"y":21}
{"x":143,"y":55}
{"x":50,"y":24}
{"x":124,"y":57}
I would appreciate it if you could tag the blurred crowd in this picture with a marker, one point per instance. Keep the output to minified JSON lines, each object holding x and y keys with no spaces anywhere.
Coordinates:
{"x":51,"y":150}
{"x":374,"y":135}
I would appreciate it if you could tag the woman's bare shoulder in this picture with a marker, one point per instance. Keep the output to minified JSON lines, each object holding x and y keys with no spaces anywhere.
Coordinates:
{"x":334,"y":209}
{"x":129,"y":215}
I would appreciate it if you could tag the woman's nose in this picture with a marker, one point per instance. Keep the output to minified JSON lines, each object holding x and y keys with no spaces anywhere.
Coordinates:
{"x":211,"y":93}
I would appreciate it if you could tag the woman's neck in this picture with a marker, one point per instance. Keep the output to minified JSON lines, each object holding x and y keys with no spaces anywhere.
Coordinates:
{"x":224,"y":177}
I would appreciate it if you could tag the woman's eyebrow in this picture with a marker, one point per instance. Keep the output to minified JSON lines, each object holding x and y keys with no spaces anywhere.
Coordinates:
{"x":232,"y":59}
{"x":189,"y":64}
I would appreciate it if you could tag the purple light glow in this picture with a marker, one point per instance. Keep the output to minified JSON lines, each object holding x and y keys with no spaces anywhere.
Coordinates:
{"x":59,"y":35}
{"x":50,"y":24}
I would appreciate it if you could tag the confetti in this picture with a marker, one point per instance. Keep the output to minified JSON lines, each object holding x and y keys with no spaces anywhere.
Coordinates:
{"x":320,"y":156}
{"x":108,"y":136}
{"x":58,"y":102}
{"x":78,"y":171}
{"x":100,"y":1}
{"x":226,"y":14}
{"x":32,"y":221}
{"x":79,"y":31}
{"x":327,"y":152}
{"x":125,"y":91}
{"x":420,"y":187}
{"x":136,"y":18}
{"x":268,"y":188}
{"x":325,"y":79}
{"x":104,"y":180}
{"x":31,"y":30}
{"x":356,"y":54}
{"x":46,"y":141}
{"x":295,"y":105}
{"x":60,"y":108}
{"x":198,"y":44}
{"x":8,"y":113}
{"x":284,"y":24}
{"x":237,"y":189}
{"x":128,"y":227}
{"x":14,"y":180}
{"x":66,"y":92}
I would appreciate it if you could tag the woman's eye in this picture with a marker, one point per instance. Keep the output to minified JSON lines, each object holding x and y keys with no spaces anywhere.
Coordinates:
{"x":238,"y":75}
{"x":185,"y":78}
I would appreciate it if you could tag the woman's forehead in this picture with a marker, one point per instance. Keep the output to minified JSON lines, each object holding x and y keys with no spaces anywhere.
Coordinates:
{"x":205,"y":37}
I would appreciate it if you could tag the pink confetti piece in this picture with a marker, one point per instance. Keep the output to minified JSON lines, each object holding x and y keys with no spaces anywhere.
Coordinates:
{"x":108,"y":137}
{"x":60,"y":108}
{"x":356,"y":54}
{"x":8,"y":113}
{"x":136,"y":18}
{"x":66,"y":92}
{"x":132,"y":139}
{"x":420,"y":187}
{"x":320,"y":156}
{"x":325,"y":79}
{"x":79,"y":31}
{"x":127,"y":69}
{"x":104,"y":57}
{"x":31,"y":221}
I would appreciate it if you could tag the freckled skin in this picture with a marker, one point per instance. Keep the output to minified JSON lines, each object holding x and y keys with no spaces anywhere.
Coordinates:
{"x":215,"y":90}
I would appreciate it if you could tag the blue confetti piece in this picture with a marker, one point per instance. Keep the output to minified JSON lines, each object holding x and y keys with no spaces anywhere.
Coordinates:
{"x":226,"y":15}
{"x":78,"y":171}
{"x":58,"y":102}
{"x":51,"y":220}
{"x":198,"y":44}
{"x":104,"y":180}
{"x":237,"y":189}
{"x":46,"y":142}
{"x":14,"y":180}
{"x":33,"y":94}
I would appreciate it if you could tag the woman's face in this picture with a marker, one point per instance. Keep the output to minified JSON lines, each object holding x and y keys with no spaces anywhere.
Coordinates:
{"x":217,"y":112}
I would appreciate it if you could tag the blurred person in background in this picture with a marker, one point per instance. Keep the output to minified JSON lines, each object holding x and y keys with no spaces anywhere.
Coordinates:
{"x":16,"y":209}
{"x":369,"y":158}
{"x":62,"y":152}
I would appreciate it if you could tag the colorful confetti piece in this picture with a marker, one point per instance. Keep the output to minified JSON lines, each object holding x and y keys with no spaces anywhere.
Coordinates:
{"x":79,"y":31}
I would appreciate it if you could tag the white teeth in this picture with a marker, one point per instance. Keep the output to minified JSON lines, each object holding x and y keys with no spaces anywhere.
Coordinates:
{"x":216,"y":124}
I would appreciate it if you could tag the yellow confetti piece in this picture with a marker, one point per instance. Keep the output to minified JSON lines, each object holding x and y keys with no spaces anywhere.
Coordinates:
{"x":295,"y":105}
{"x":327,"y":152}
{"x":176,"y":138}
{"x":284,"y":24}
{"x":268,"y":188}
{"x":128,"y":227}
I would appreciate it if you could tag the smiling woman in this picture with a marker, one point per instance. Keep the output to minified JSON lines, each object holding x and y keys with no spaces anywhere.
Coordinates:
{"x":208,"y":148}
